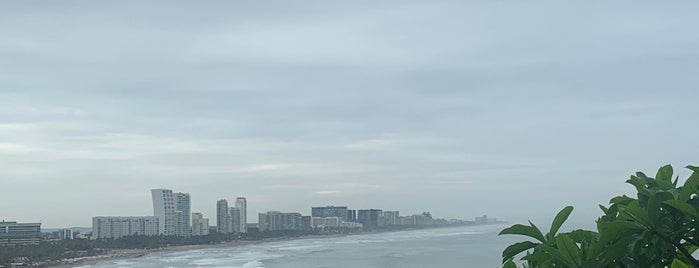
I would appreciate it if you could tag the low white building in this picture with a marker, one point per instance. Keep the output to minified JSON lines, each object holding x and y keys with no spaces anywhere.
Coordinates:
{"x":117,"y":227}
{"x":333,"y":222}
{"x":351,"y":225}
{"x":326,"y":222}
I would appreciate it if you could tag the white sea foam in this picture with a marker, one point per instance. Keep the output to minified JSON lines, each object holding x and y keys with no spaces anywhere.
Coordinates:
{"x":253,"y":264}
{"x":321,"y":250}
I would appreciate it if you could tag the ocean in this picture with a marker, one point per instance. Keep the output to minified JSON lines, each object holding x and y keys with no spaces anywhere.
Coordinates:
{"x":465,"y":246}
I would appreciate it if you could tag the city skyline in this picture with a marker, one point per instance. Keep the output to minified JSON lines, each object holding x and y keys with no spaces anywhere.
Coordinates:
{"x":167,"y":199}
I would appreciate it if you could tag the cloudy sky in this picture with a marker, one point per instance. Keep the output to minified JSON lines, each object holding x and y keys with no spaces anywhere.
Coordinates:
{"x":461,"y":108}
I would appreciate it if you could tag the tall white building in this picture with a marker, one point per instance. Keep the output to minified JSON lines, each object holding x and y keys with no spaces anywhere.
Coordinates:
{"x":242,"y":204}
{"x":200,"y":225}
{"x":233,"y":220}
{"x":116,"y":227}
{"x":222,"y":216}
{"x":173,"y":211}
{"x":390,"y":218}
{"x":183,"y":214}
{"x":164,"y":210}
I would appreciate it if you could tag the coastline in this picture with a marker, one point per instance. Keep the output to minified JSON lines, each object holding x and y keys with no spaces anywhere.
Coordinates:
{"x":121,"y":254}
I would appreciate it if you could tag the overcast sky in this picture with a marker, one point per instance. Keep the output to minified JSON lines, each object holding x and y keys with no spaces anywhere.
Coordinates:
{"x":461,"y":108}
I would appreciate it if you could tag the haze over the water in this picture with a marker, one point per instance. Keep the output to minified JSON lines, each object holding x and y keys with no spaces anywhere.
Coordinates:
{"x":453,"y":107}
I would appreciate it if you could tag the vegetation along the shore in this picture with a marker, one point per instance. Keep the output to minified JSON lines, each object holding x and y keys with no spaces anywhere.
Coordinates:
{"x":658,"y":228}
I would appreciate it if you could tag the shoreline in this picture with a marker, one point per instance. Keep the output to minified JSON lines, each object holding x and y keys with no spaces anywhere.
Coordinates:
{"x":123,"y":254}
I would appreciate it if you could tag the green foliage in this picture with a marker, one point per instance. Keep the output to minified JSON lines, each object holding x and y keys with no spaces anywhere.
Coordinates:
{"x":658,"y":228}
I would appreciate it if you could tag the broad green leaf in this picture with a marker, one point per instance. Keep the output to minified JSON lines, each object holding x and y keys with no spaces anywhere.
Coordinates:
{"x":517,"y":248}
{"x":580,"y":235}
{"x":622,"y":200}
{"x":569,"y":249}
{"x":653,"y":207}
{"x":683,"y":207}
{"x":690,"y":186}
{"x":679,"y":264}
{"x":538,"y":231}
{"x":558,"y":254}
{"x":639,"y":184}
{"x":637,"y":214}
{"x":643,"y":177}
{"x":558,"y":221}
{"x":664,"y":173}
{"x":604,"y":209}
{"x":664,"y":177}
{"x":509,"y":264}
{"x":530,"y":231}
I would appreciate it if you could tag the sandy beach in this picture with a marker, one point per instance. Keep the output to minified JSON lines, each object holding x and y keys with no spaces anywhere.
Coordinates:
{"x":136,"y":253}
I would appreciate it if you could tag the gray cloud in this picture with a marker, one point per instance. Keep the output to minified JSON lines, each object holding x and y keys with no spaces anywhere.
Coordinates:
{"x":459,"y":108}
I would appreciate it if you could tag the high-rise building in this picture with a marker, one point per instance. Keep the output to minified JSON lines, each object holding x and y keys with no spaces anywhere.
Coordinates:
{"x":164,"y":209}
{"x":369,"y":218}
{"x":222,"y":216}
{"x":173,"y":212}
{"x":14,"y":233}
{"x":330,"y":211}
{"x":352,"y":215}
{"x":242,"y":204}
{"x":390,"y":218}
{"x":200,"y":225}
{"x":233,"y":220}
{"x":183,"y":214}
{"x":116,"y":227}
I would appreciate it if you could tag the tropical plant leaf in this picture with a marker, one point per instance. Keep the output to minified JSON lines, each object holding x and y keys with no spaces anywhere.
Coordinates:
{"x":558,"y":254}
{"x":530,"y":231}
{"x":664,"y":173}
{"x":664,"y":177}
{"x":679,"y":264}
{"x":653,"y":207}
{"x":639,"y":184}
{"x":690,"y":186}
{"x":621,"y":200}
{"x":683,"y":207}
{"x":558,"y":221}
{"x":569,"y":250}
{"x":509,"y":264}
{"x":511,"y":251}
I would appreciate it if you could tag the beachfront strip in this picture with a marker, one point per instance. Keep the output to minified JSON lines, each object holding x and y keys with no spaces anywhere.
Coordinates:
{"x":172,"y":216}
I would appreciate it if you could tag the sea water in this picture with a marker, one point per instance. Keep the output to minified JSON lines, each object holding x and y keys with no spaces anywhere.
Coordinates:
{"x":466,"y":246}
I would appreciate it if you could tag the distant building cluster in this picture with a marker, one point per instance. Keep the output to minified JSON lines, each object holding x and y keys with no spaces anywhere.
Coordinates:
{"x":172,"y":216}
{"x":232,"y":220}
